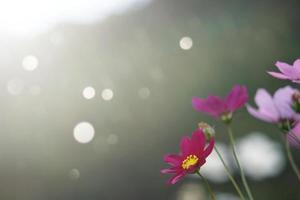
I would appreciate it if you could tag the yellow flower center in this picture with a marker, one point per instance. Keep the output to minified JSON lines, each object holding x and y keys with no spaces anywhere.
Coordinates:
{"x":189,"y":161}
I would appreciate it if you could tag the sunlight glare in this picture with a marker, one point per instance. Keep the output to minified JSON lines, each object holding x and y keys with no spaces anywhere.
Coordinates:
{"x":27,"y":17}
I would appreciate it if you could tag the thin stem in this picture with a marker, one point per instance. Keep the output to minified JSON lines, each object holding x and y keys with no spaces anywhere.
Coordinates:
{"x":291,"y":159}
{"x":211,"y":193}
{"x":244,"y":180}
{"x":229,"y":175}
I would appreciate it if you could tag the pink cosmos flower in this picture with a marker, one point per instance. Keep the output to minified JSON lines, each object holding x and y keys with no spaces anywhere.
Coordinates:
{"x":290,"y":72}
{"x":274,"y":109}
{"x":192,"y":156}
{"x":219,"y":107}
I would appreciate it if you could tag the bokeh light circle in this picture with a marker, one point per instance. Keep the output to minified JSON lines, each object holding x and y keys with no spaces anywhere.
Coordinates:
{"x":213,"y":168}
{"x":107,"y":94}
{"x":88,"y":92}
{"x":30,"y":63}
{"x":144,"y":93}
{"x":15,"y":86}
{"x":186,"y":43}
{"x":260,"y":156}
{"x":84,"y":132}
{"x":74,"y":174}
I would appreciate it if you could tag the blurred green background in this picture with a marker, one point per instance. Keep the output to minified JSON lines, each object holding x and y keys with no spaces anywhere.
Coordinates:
{"x":150,"y":60}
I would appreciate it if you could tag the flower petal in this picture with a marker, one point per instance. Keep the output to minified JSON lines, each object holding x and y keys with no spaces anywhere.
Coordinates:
{"x":176,"y":178}
{"x":294,"y":136}
{"x":172,"y":159}
{"x":208,"y":149}
{"x":212,"y":105}
{"x":265,"y":104}
{"x":260,"y":115}
{"x":296,"y":64}
{"x":197,"y":142}
{"x":171,"y":170}
{"x":278,"y":75}
{"x":283,"y":102}
{"x":185,"y":146}
{"x":286,"y":69}
{"x":237,"y":97}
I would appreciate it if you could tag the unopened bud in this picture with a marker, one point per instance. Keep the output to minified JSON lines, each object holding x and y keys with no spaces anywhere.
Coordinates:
{"x":286,"y":125}
{"x":226,"y":117}
{"x":207,"y":130}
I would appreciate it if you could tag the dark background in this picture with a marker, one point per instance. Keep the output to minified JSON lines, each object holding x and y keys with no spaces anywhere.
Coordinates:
{"x":233,"y":42}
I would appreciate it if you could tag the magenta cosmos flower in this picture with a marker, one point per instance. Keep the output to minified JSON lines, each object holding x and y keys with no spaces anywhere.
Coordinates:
{"x":290,"y":72}
{"x":194,"y":152}
{"x":219,"y":107}
{"x":277,"y":109}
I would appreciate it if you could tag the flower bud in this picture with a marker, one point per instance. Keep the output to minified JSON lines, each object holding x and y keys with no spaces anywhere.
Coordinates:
{"x":296,"y":101}
{"x":207,"y":130}
{"x":226,"y":117}
{"x":286,"y":125}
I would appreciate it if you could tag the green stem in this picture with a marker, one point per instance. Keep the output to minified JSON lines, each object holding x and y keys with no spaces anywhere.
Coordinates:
{"x":291,"y":159}
{"x":244,"y":180}
{"x":229,"y":175}
{"x":211,"y":193}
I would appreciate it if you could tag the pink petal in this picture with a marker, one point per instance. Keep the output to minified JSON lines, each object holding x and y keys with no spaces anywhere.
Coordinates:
{"x":265,"y":104}
{"x":262,"y":116}
{"x":212,"y":105}
{"x":172,"y":159}
{"x":296,"y":133}
{"x":176,"y":178}
{"x":185,"y":146}
{"x":202,"y":106}
{"x":237,"y":97}
{"x":171,"y":170}
{"x":286,"y":69}
{"x":283,"y":102}
{"x":208,"y":149}
{"x":197,"y":142}
{"x":168,"y":171}
{"x":296,"y":64}
{"x":278,"y":75}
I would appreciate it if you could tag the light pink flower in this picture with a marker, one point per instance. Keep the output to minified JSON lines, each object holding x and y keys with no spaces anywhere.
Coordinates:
{"x":289,"y":72}
{"x":274,"y":109}
{"x":192,"y":156}
{"x":217,"y":106}
{"x":279,"y":109}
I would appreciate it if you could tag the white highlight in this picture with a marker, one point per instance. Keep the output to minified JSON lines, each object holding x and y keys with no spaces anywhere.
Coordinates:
{"x":84,"y":132}
{"x":191,"y":191}
{"x":186,"y":43}
{"x":29,"y":17}
{"x":213,"y":168}
{"x":260,"y":156}
{"x":15,"y":86}
{"x":107,"y":94}
{"x":30,"y":63}
{"x":89,"y":92}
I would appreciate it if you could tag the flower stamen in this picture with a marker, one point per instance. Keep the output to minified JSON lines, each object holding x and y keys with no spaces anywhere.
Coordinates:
{"x":189,"y":161}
